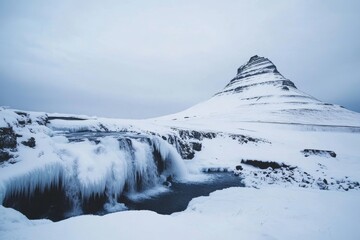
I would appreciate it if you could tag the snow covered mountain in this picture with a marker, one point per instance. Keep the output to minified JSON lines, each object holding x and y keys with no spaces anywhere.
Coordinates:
{"x":260,"y":126}
{"x":260,"y":93}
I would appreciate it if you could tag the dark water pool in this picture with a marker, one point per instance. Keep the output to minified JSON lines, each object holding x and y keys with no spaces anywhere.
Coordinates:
{"x":53,"y":204}
{"x":180,"y":194}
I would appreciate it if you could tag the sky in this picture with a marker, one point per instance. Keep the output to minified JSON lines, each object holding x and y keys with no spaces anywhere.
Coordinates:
{"x":142,"y":59}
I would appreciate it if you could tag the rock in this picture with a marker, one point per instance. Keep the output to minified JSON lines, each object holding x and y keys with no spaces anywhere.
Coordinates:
{"x":239,"y":167}
{"x":252,"y":71}
{"x":245,"y":139}
{"x":305,"y":181}
{"x":8,"y":138}
{"x":65,"y":118}
{"x":264,"y":164}
{"x":30,"y":142}
{"x":169,"y":179}
{"x":183,"y":147}
{"x":196,"y":146}
{"x":23,"y":114}
{"x":4,"y":156}
{"x":167,"y":184}
{"x":318,"y":152}
{"x":187,"y":134}
{"x":322,"y":185}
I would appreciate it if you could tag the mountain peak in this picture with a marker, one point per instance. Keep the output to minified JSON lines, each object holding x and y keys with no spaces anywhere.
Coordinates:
{"x":257,"y":65}
{"x":257,"y":71}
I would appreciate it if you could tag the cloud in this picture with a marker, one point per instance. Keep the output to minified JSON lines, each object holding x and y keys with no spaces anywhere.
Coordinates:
{"x":169,"y":54}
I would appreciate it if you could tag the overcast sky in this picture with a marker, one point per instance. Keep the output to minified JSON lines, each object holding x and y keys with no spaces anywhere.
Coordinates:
{"x":139,"y":59}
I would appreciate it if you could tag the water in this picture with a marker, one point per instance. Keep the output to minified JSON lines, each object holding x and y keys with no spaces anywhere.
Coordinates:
{"x":147,"y":162}
{"x":180,"y":194}
{"x":53,"y":203}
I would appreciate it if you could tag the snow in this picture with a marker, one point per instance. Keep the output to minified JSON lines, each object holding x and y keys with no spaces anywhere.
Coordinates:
{"x":246,"y":213}
{"x":14,"y":220}
{"x":276,"y":211}
{"x":281,"y":204}
{"x":257,"y":94}
{"x":87,"y":168}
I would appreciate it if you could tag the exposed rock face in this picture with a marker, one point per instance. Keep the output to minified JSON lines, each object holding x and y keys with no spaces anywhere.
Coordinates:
{"x":190,"y":141}
{"x":8,"y":142}
{"x":191,"y":134}
{"x":187,"y":142}
{"x":257,"y":71}
{"x":324,"y":153}
{"x":265,"y":164}
{"x":7,"y":138}
{"x":183,"y":147}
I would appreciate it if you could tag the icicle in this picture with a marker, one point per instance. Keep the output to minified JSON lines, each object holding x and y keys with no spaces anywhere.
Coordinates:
{"x":107,"y":168}
{"x":41,"y":179}
{"x":145,"y":169}
{"x":174,"y":165}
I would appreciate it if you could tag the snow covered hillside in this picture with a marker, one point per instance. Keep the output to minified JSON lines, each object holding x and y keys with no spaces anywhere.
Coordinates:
{"x":270,"y":134}
{"x":259,"y":93}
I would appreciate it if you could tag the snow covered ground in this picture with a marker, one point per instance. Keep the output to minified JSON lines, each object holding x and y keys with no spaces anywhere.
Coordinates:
{"x":240,"y":213}
{"x":298,"y":157}
{"x":277,"y":207}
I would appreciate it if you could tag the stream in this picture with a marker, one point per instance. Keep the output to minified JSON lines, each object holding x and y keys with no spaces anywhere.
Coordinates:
{"x":180,"y":194}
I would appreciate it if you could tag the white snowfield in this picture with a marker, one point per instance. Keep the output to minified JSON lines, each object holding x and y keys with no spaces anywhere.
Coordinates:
{"x":240,"y":213}
{"x":313,"y":195}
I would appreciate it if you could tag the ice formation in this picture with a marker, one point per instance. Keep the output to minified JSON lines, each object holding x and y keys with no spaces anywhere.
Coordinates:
{"x":109,"y":167}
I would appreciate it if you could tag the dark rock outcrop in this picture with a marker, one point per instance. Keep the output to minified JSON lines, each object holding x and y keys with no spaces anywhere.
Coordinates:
{"x":183,"y":147}
{"x":8,"y":143}
{"x":239,"y":168}
{"x":245,"y":139}
{"x":189,"y":141}
{"x":196,"y":146}
{"x":8,"y":138}
{"x":192,"y":134}
{"x":317,"y":152}
{"x":30,"y":142}
{"x":264,"y":164}
{"x":4,"y":156}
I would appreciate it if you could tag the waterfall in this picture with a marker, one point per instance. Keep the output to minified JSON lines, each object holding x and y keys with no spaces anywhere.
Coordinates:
{"x":94,"y":174}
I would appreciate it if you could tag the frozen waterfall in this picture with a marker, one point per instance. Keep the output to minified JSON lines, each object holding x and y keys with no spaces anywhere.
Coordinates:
{"x":92,"y":174}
